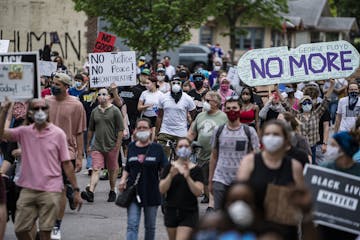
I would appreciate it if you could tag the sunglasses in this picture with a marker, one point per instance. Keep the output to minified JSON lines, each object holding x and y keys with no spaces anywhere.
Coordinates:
{"x":102,"y":94}
{"x":232,"y":98}
{"x":306,"y":102}
{"x":43,"y":108}
{"x":175,"y":82}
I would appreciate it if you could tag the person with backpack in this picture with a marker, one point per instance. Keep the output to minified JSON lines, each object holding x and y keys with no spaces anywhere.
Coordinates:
{"x":230,"y":143}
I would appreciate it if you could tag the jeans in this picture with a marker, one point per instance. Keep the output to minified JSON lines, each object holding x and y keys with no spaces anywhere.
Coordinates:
{"x":134,"y":215}
{"x":332,"y":109}
{"x":320,"y":156}
{"x":313,"y":153}
{"x":219,"y":191}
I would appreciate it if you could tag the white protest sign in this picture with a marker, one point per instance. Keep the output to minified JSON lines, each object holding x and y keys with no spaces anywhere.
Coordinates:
{"x":16,"y":81}
{"x":233,"y":76}
{"x":4,"y":46}
{"x":106,"y":68}
{"x":46,"y":68}
{"x":308,"y":62}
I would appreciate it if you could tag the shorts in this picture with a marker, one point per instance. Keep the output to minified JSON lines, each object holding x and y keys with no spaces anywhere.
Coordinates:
{"x":175,"y":217}
{"x":111,"y":158}
{"x":65,"y":179}
{"x":33,"y":204}
{"x":205,"y":171}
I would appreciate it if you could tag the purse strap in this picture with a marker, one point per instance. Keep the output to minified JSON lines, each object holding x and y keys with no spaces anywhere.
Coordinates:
{"x":142,"y":167}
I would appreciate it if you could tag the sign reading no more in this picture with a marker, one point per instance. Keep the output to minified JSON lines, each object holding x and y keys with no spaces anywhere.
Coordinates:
{"x":308,"y":62}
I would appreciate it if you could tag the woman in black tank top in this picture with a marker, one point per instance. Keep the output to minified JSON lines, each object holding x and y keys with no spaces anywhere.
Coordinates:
{"x":272,"y":166}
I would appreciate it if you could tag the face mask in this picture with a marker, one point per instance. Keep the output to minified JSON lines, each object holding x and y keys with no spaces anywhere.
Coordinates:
{"x":198,"y":85}
{"x":240,"y":213}
{"x":78,"y":84}
{"x":160,"y":78}
{"x":206,"y":106}
{"x":217,"y":68}
{"x":55,"y":90}
{"x":40,"y":117}
{"x":353,"y":94}
{"x":332,"y":153}
{"x":307,"y":107}
{"x":233,"y":115}
{"x":224,"y":87}
{"x":272,"y":143}
{"x":183,"y":152}
{"x":142,"y":136}
{"x":175,"y":88}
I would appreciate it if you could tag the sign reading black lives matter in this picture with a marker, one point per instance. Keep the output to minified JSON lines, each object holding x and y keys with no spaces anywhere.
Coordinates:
{"x":336,"y":197}
{"x":307,"y":62}
{"x":108,"y":68}
{"x":24,"y":57}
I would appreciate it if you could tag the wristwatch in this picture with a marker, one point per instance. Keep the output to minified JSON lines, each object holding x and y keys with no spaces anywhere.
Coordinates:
{"x":76,"y":189}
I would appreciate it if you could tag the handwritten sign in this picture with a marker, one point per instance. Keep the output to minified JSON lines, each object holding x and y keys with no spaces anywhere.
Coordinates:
{"x":16,"y":81}
{"x":25,"y":57}
{"x":4,"y":46}
{"x":336,"y":198}
{"x":107,"y":68}
{"x":104,"y":42}
{"x":308,"y":62}
{"x":233,"y":76}
{"x":46,"y":68}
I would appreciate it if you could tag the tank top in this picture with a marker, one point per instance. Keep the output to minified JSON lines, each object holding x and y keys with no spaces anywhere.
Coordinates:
{"x":247,"y":116}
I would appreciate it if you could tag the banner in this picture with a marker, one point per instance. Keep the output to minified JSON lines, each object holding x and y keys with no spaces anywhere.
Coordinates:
{"x":16,"y":81}
{"x":308,"y":62}
{"x":4,"y":46}
{"x":336,"y":198}
{"x":25,"y":57}
{"x":104,"y":42}
{"x":107,"y":68}
{"x":46,"y":68}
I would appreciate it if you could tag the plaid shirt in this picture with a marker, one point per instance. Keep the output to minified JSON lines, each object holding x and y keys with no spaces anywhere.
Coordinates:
{"x":309,"y":127}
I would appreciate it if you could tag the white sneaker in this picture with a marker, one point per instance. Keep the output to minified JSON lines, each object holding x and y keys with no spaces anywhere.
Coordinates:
{"x":56,"y":234}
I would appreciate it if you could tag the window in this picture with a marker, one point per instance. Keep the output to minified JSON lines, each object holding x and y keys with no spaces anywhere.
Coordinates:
{"x":332,"y":36}
{"x":206,"y":35}
{"x":191,"y":49}
{"x":250,"y":39}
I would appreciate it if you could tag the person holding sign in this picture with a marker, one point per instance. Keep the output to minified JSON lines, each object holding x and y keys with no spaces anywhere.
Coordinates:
{"x":339,"y":157}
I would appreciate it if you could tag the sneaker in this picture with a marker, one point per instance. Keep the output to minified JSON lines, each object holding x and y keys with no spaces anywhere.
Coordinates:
{"x":70,"y":197}
{"x":87,"y":195}
{"x":112,"y":196}
{"x":205,"y":199}
{"x":55,"y":233}
{"x":104,"y":175}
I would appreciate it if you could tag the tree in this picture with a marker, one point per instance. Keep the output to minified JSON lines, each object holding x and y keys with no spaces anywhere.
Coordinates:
{"x":265,"y":12}
{"x":346,"y":8}
{"x":150,"y":26}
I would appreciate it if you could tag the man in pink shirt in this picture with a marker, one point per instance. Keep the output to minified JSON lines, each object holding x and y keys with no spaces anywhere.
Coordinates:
{"x":44,"y":152}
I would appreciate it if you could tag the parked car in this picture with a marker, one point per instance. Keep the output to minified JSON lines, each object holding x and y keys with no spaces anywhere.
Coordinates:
{"x":194,"y":55}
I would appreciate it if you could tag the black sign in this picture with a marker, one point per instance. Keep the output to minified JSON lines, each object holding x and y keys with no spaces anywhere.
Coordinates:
{"x":31,"y":57}
{"x":336,"y":198}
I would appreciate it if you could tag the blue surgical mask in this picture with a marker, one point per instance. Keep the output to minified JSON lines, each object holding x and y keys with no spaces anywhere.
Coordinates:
{"x":183,"y":152}
{"x":307,"y":107}
{"x":78,"y":84}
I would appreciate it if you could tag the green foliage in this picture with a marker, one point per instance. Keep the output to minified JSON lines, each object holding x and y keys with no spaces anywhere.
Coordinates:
{"x":346,"y":8}
{"x":150,"y":25}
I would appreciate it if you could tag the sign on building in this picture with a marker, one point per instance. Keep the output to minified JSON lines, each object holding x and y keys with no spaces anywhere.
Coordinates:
{"x":336,"y":198}
{"x":4,"y":46}
{"x":107,"y":68}
{"x":308,"y":62}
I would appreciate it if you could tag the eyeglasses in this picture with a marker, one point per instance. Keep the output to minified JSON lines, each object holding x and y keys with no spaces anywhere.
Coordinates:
{"x":102,"y":94}
{"x":38,"y":108}
{"x":306,"y":102}
{"x":175,"y":82}
{"x":232,"y":98}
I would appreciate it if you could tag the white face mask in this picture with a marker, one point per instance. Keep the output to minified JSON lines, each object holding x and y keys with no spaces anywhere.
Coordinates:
{"x":78,"y":84}
{"x":241,"y":213}
{"x":206,"y":106}
{"x":332,"y":153}
{"x":40,"y":117}
{"x":217,"y":68}
{"x":175,"y":88}
{"x":160,"y":78}
{"x":272,"y":143}
{"x":142,"y":136}
{"x":307,"y":108}
{"x":183,"y":152}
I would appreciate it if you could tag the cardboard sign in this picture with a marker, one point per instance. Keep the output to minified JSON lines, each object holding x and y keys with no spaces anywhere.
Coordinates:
{"x":46,"y":68}
{"x":233,"y":76}
{"x":104,"y":42}
{"x":107,"y":68}
{"x":308,"y":62}
{"x":4,"y":46}
{"x":336,"y":198}
{"x":16,"y":81}
{"x":25,"y":57}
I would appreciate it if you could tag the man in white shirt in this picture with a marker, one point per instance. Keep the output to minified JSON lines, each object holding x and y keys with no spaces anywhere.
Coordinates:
{"x":169,"y":69}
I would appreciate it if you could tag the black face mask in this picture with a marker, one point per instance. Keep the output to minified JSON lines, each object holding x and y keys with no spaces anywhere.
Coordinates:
{"x":55,"y":90}
{"x":176,"y":96}
{"x":198,"y":84}
{"x":353,"y":99}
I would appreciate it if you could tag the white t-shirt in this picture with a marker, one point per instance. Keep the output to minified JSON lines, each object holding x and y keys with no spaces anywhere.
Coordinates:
{"x":348,"y":117}
{"x":175,"y":114}
{"x":170,"y":71}
{"x":151,"y":98}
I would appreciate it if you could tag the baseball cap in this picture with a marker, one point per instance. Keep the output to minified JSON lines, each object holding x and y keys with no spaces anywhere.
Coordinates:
{"x":64,"y":78}
{"x":146,"y":71}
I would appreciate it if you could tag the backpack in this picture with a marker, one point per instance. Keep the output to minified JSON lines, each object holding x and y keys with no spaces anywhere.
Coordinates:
{"x":246,"y":130}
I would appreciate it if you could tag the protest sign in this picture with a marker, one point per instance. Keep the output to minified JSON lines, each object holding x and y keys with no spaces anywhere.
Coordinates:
{"x":104,"y":42}
{"x":107,"y":68}
{"x":46,"y":68}
{"x":31,"y":57}
{"x":308,"y":62}
{"x":233,"y":76}
{"x":336,"y":197}
{"x":4,"y":46}
{"x":16,"y":81}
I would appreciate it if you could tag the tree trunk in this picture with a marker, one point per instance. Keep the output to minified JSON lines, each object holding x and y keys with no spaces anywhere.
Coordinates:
{"x":232,"y":28}
{"x":153,"y":58}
